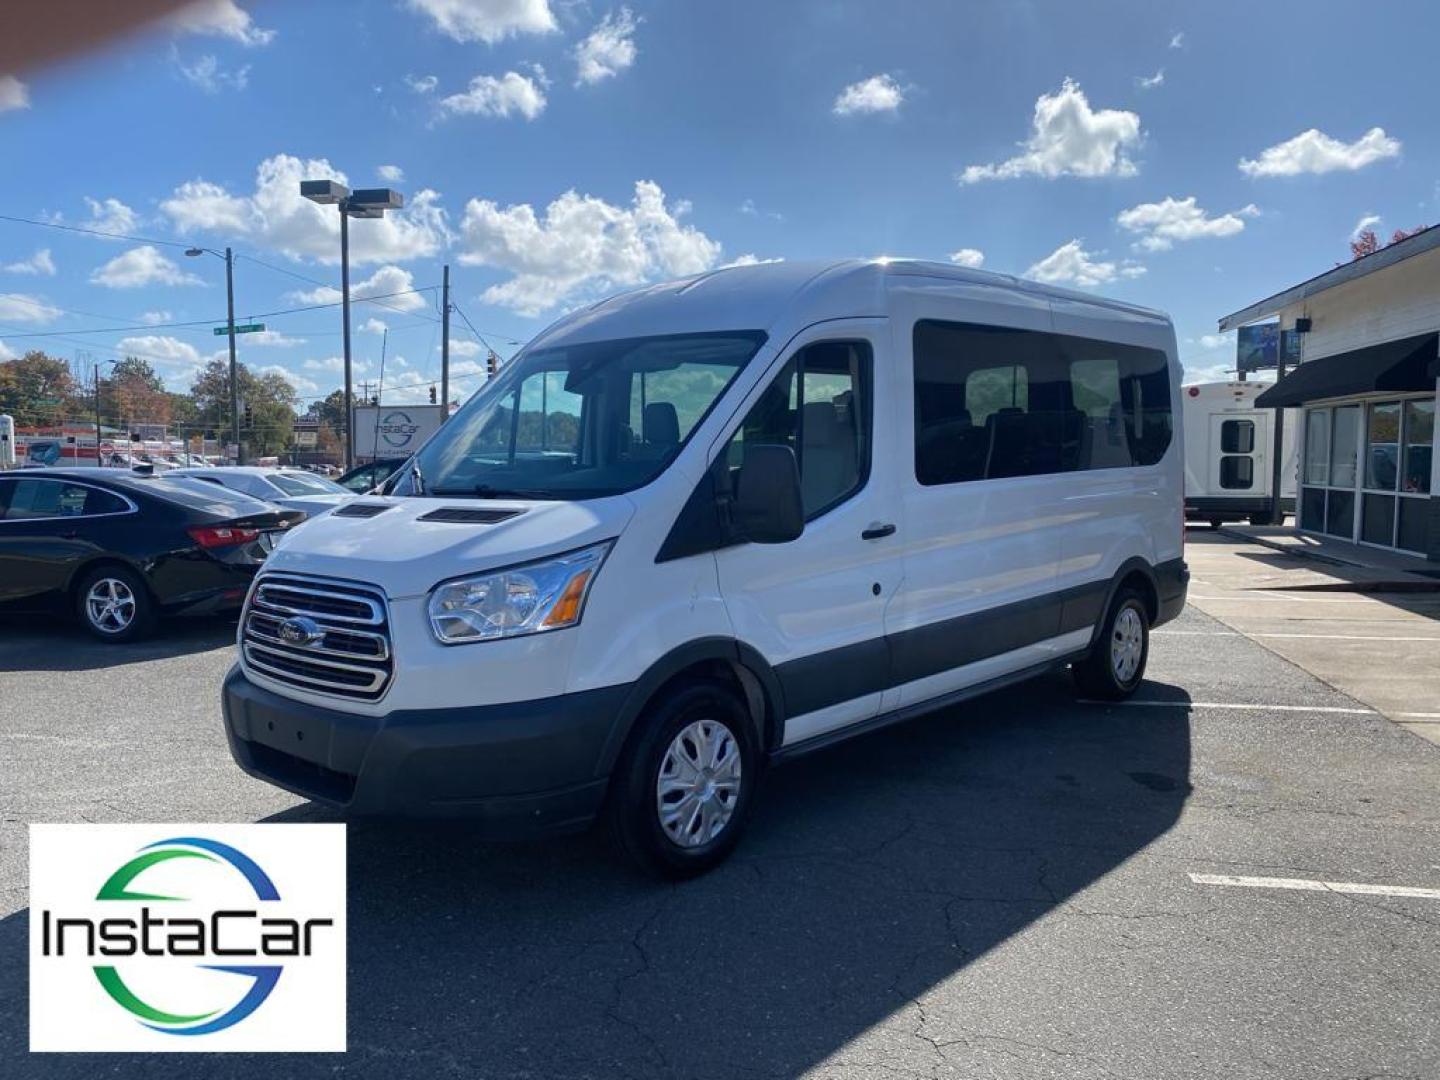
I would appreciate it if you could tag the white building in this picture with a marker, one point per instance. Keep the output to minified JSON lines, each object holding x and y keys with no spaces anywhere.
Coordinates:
{"x":1367,"y":386}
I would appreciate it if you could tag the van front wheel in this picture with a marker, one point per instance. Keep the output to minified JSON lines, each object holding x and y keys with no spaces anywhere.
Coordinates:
{"x":683,"y":790}
{"x":1116,"y":662}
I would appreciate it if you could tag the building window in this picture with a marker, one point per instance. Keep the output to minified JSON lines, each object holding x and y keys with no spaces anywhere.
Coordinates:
{"x":1317,"y":447}
{"x":1419,"y":447}
{"x":1382,"y":446}
{"x":1344,"y":446}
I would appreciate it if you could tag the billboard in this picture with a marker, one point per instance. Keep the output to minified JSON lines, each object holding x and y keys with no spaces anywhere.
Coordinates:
{"x":387,"y":431}
{"x":1257,"y":346}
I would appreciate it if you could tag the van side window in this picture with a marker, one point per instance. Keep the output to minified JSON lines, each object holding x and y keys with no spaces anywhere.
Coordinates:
{"x":819,"y":406}
{"x":998,"y":402}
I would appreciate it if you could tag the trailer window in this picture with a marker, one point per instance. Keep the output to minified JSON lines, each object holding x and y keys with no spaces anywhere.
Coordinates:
{"x":1237,"y":437}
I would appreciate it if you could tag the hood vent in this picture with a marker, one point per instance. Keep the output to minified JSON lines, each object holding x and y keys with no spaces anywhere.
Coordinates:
{"x":466,"y":515}
{"x":361,"y":510}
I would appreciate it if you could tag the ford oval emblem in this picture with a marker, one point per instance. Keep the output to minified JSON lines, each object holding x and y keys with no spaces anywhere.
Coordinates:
{"x":300,"y":631}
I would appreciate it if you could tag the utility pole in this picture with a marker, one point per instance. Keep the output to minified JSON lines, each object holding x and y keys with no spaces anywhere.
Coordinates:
{"x":445,"y":345}
{"x":97,"y":416}
{"x":234,"y":365}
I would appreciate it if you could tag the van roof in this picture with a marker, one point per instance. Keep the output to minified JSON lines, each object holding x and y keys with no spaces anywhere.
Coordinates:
{"x":757,"y":295}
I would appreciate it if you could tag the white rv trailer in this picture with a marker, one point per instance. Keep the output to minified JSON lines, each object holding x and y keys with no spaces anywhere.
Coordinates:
{"x":1229,"y":448}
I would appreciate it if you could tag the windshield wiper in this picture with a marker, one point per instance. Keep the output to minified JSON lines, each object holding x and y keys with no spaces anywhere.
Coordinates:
{"x":416,"y":479}
{"x":488,"y":491}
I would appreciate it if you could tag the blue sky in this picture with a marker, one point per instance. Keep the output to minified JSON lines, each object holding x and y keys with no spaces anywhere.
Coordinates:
{"x":1190,"y":157}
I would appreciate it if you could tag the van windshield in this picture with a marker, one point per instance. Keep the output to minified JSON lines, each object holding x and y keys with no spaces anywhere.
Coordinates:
{"x":582,"y":421}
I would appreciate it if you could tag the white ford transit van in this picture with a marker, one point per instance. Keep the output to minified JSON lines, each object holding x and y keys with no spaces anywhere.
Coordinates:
{"x":708,"y":525}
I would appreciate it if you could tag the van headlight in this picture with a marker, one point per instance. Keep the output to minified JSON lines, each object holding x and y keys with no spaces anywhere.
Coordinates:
{"x":528,"y":599}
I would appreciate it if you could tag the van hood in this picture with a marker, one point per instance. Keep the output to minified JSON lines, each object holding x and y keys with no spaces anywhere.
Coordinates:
{"x":406,"y":556}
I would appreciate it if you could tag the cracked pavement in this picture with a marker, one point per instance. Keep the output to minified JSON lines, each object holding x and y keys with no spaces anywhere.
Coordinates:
{"x":999,"y":890}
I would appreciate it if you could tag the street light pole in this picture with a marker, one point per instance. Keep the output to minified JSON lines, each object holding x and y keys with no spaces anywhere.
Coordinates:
{"x":368,"y":203}
{"x":445,"y":346}
{"x":345,"y":319}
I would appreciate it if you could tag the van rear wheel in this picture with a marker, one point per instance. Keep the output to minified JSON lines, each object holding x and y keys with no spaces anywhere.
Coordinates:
{"x":684,"y":788}
{"x":1116,"y":662}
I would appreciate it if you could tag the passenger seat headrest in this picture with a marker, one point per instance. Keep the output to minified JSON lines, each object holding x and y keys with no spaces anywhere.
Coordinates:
{"x":661,"y":424}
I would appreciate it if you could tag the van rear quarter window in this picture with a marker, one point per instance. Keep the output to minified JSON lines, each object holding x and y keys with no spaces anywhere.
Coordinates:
{"x":996,"y":402}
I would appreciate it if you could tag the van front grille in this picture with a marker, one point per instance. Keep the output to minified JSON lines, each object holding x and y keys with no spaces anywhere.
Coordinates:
{"x":330,"y":637}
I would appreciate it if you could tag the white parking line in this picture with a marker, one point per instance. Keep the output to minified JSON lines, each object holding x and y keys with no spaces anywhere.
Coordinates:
{"x":1155,"y":703}
{"x":1354,"y":888}
{"x":1285,"y":599}
{"x":1306,"y":637}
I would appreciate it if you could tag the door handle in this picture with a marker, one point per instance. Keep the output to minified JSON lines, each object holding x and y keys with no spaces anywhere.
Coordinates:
{"x":876,"y":532}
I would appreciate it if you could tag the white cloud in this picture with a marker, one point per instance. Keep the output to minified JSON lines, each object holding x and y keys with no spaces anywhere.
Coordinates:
{"x":6,"y":352}
{"x":877,"y":94}
{"x":272,"y":339}
{"x":39,"y":263}
{"x":1177,"y":40}
{"x":1162,"y":223}
{"x":609,"y":49}
{"x":179,"y":361}
{"x":329,"y":363}
{"x":14,"y":94}
{"x":385,"y":282}
{"x":110,"y":216}
{"x":391,"y":174}
{"x":220,"y":18}
{"x":153,"y":317}
{"x":487,"y":20}
{"x":582,"y":246}
{"x":25,"y":308}
{"x":1068,"y":138}
{"x":276,"y":217}
{"x":1149,"y":82}
{"x":140,"y":266}
{"x":1367,"y":221}
{"x":1315,"y":152}
{"x":301,"y":384}
{"x":750,"y":259}
{"x":373,"y":326}
{"x":208,"y":74}
{"x":422,"y":84}
{"x":1071,"y":264}
{"x":971,"y":257}
{"x":1212,"y":342}
{"x":464,"y":347}
{"x":488,"y":96}
{"x":749,"y":209}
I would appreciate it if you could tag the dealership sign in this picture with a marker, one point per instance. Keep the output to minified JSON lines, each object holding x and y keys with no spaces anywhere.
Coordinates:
{"x":187,"y":938}
{"x":394,"y":431}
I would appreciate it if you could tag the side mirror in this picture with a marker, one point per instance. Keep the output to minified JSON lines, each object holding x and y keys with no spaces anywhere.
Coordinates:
{"x":767,"y":507}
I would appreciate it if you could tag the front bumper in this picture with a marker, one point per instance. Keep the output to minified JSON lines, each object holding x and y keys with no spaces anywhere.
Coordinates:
{"x":517,"y":769}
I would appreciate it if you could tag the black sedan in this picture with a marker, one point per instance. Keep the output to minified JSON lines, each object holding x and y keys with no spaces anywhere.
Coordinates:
{"x":118,"y":549}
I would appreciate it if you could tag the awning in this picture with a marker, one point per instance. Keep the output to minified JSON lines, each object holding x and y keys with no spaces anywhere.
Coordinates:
{"x":1400,"y":366}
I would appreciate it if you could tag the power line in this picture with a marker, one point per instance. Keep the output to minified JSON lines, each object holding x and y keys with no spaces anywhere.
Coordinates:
{"x":94,"y":232}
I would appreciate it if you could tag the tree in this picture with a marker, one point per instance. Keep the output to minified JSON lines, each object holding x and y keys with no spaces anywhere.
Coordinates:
{"x":37,"y":389}
{"x":270,"y":400}
{"x":134,"y":394}
{"x":1366,"y":242}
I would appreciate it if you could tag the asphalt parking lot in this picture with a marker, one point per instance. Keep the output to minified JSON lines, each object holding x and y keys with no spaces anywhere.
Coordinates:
{"x":1028,"y":886}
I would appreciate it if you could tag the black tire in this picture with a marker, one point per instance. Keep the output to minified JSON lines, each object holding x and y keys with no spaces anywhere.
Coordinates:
{"x":1107,"y":673}
{"x":633,"y":811}
{"x":133,"y":616}
{"x":1215,"y":523}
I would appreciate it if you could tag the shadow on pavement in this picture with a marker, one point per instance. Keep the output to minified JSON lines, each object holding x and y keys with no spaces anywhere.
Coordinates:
{"x":47,"y":643}
{"x":872,"y":872}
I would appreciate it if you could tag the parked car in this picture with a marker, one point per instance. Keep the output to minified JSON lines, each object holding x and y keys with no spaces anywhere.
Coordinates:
{"x":118,"y":549}
{"x":710,"y":525}
{"x":294,"y":489}
{"x":371,"y":475}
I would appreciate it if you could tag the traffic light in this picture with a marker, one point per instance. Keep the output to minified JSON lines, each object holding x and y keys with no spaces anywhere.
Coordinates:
{"x":492,"y":365}
{"x":432,"y":395}
{"x":249,"y":416}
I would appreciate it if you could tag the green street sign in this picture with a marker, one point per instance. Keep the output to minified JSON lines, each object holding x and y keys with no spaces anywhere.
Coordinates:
{"x":241,"y":328}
